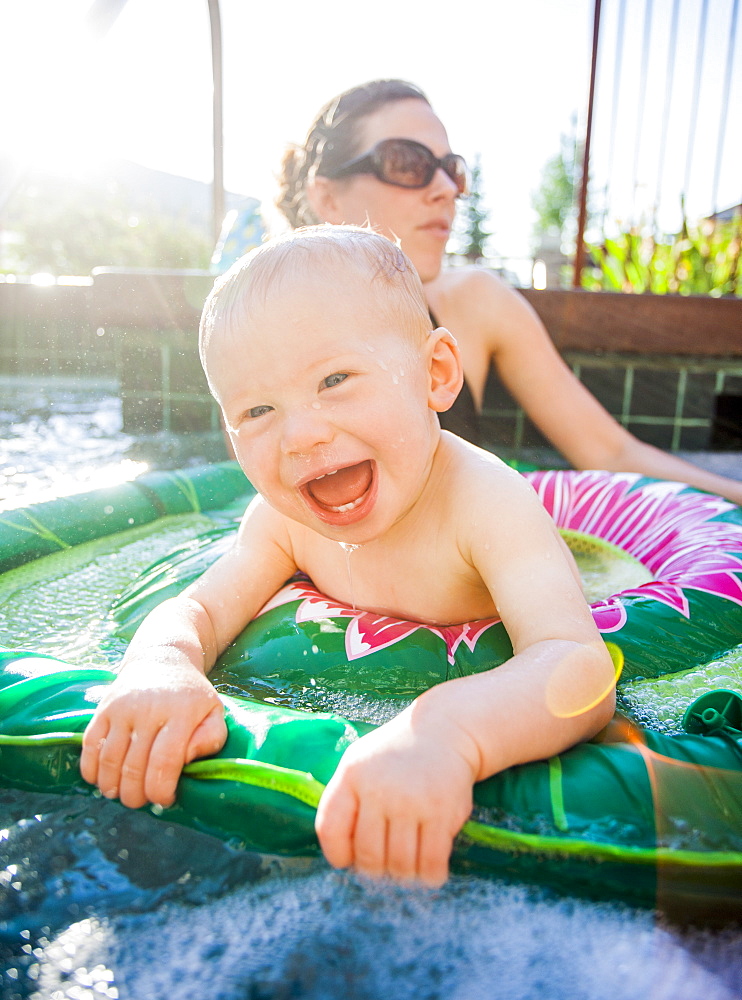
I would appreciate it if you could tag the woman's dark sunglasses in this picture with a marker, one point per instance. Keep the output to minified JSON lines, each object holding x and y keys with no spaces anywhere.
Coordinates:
{"x":404,"y":163}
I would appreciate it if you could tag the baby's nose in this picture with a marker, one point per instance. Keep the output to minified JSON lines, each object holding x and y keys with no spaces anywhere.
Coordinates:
{"x":305,"y":429}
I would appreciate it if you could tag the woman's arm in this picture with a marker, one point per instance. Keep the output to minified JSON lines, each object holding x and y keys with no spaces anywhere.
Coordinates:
{"x":504,"y":328}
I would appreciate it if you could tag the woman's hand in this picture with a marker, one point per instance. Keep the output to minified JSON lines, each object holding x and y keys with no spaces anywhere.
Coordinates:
{"x":398,"y":798}
{"x":158,"y":715}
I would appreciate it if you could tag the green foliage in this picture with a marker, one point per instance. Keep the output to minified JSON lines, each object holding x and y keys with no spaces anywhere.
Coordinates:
{"x":473,"y":217}
{"x":554,"y":202}
{"x":701,"y":260}
{"x":70,"y":230}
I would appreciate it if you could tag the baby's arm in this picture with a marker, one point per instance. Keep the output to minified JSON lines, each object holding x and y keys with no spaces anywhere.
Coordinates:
{"x":402,"y":793}
{"x":162,"y":712}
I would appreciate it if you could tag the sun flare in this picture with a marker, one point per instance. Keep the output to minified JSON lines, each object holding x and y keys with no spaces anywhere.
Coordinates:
{"x":52,"y":66}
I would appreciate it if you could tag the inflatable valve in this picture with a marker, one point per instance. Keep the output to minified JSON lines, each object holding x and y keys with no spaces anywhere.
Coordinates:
{"x":716,"y":713}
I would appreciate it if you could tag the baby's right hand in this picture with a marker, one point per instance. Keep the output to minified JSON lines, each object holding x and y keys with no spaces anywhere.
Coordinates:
{"x":155,"y":718}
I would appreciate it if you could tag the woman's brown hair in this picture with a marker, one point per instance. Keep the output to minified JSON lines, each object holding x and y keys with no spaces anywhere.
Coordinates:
{"x":332,"y":141}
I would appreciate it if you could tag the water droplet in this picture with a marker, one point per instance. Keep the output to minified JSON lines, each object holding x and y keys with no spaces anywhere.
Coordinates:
{"x":349,"y":547}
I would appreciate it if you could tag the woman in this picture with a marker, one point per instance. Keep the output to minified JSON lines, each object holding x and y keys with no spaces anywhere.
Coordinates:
{"x":379,"y":154}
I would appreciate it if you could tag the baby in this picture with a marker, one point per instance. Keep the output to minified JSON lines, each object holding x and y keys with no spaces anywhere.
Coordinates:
{"x":319,"y":349}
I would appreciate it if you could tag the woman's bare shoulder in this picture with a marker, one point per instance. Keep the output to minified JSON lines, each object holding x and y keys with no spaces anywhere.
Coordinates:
{"x":478,"y":297}
{"x":456,"y":284}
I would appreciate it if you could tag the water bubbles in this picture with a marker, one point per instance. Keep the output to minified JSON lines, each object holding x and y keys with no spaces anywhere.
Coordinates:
{"x":312,"y":933}
{"x":60,"y":607}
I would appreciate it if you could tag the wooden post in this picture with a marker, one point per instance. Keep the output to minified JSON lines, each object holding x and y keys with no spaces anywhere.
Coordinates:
{"x":582,"y":218}
{"x":217,"y":200}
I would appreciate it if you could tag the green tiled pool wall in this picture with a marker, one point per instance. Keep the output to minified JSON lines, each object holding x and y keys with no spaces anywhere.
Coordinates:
{"x":675,"y":403}
{"x":47,"y":331}
{"x":163,"y":387}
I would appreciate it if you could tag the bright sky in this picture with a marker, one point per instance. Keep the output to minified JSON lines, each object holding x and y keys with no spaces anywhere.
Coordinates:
{"x":507,"y":78}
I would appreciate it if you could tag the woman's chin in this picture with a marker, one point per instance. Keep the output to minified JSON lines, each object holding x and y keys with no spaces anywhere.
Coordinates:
{"x":428,"y":267}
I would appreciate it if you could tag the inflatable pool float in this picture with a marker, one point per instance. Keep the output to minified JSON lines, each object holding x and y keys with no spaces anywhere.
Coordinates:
{"x":649,"y":817}
{"x":677,"y":552}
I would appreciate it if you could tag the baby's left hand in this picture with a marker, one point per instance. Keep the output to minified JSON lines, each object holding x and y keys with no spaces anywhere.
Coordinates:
{"x":397,"y":800}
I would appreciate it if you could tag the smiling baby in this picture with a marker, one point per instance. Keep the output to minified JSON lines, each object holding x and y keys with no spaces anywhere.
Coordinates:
{"x":319,"y":348}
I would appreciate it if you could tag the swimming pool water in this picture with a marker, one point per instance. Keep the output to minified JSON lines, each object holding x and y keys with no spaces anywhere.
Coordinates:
{"x":61,"y":436}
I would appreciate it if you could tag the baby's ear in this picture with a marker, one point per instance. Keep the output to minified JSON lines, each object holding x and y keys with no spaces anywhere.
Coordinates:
{"x":445,"y":370}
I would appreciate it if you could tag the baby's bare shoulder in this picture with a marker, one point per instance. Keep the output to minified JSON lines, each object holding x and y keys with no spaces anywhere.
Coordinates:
{"x":264,"y":529}
{"x":490,"y":501}
{"x":475,"y":473}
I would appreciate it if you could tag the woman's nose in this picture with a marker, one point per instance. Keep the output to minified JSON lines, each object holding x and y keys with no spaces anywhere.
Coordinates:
{"x":304,"y":429}
{"x":442,"y":186}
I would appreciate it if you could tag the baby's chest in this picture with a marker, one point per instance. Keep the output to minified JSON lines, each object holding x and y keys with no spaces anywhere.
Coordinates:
{"x":420,"y":585}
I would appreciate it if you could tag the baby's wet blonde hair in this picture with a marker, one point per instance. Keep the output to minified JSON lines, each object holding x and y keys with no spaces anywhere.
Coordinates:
{"x":338,"y":251}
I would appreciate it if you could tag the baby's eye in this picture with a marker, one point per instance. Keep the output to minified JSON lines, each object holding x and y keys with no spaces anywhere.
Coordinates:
{"x":332,"y":380}
{"x":258,"y":411}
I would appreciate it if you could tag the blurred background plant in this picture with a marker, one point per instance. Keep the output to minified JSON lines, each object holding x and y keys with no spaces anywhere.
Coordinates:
{"x":473,"y":217}
{"x":133,"y":217}
{"x":555,"y":201}
{"x":702,"y":259}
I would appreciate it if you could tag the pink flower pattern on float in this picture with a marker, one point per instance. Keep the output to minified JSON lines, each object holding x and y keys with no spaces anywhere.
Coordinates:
{"x":368,"y":632}
{"x":666,"y":526}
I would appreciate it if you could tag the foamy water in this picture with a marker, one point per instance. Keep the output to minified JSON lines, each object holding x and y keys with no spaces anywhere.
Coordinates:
{"x":133,"y":909}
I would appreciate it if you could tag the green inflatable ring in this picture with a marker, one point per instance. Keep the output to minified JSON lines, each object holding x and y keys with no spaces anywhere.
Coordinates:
{"x":648,"y":818}
{"x":617,"y":819}
{"x":687,"y":612}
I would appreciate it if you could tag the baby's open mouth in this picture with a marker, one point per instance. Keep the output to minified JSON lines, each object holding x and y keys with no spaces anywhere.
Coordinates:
{"x":342,"y":490}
